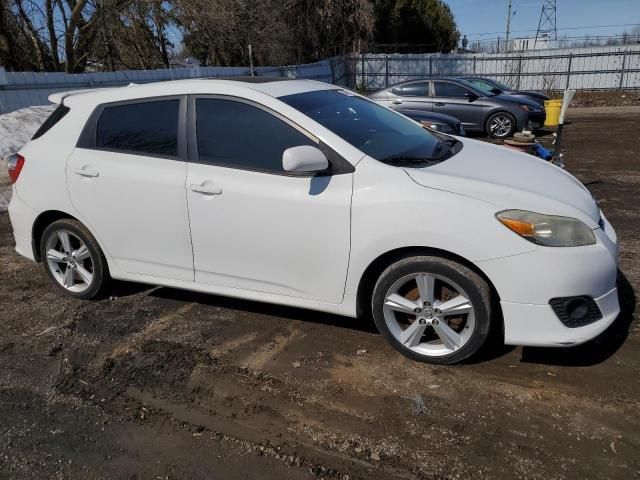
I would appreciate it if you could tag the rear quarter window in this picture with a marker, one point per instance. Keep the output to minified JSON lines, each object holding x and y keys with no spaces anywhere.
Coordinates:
{"x":57,"y":115}
{"x":149,"y":127}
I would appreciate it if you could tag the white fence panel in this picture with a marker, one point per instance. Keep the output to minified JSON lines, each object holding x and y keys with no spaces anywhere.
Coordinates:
{"x":583,"y":68}
{"x":24,"y":89}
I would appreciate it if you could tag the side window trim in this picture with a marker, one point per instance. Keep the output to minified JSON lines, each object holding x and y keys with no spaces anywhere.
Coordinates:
{"x":88,"y":137}
{"x":338,"y":165}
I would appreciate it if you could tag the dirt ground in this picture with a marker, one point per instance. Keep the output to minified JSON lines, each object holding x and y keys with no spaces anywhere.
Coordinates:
{"x":161,"y":383}
{"x":609,"y":98}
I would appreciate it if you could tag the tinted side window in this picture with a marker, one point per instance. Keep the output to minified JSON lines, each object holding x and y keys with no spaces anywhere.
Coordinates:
{"x":419,"y":89}
{"x":241,"y":135}
{"x":144,"y":127}
{"x":443,"y":89}
{"x":54,"y":118}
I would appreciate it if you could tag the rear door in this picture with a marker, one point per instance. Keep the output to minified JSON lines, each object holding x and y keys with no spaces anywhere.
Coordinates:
{"x":451,"y":99}
{"x":411,"y":96}
{"x":126,"y":178}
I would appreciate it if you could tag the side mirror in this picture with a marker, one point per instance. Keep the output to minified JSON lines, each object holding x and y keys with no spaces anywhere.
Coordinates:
{"x":496,"y":90}
{"x":471,"y":96}
{"x":304,"y":159}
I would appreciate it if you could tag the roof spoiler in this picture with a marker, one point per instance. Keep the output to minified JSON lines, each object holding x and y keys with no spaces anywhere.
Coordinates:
{"x":59,"y":97}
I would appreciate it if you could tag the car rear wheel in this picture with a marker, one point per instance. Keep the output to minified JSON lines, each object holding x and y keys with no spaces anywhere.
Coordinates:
{"x":501,"y":125}
{"x":73,"y":259}
{"x":432,"y":309}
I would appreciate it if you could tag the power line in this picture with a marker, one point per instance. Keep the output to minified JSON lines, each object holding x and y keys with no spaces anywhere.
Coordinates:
{"x":578,"y":37}
{"x":565,"y":28}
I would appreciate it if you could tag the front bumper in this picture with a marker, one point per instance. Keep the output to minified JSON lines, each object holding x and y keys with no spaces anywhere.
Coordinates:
{"x":536,"y":120}
{"x":538,"y":325}
{"x":527,"y":282}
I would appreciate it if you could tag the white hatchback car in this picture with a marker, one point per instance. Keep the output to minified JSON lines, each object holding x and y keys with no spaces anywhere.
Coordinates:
{"x":305,"y":194}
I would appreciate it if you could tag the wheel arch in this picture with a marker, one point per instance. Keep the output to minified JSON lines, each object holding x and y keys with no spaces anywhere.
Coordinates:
{"x":46,"y":218}
{"x":377,"y":266}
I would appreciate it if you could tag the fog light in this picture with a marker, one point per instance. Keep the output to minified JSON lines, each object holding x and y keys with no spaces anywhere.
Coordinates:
{"x":577,"y":308}
{"x":576,"y":311}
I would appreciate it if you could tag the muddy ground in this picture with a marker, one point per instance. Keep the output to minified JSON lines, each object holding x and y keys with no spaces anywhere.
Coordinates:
{"x":161,"y":383}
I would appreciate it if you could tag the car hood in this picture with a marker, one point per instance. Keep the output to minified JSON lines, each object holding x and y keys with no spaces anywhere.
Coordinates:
{"x":510,"y":180}
{"x":522,"y":100}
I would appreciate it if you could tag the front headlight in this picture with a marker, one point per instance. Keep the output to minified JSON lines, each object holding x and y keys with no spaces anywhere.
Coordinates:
{"x":547,"y":230}
{"x":530,"y":108}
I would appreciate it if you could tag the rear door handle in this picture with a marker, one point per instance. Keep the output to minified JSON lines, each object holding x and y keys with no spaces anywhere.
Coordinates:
{"x":206,"y":189}
{"x":86,"y":172}
{"x":396,"y":102}
{"x":439,"y":104}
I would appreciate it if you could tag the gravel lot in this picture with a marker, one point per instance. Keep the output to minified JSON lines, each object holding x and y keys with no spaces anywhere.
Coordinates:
{"x":161,"y":383}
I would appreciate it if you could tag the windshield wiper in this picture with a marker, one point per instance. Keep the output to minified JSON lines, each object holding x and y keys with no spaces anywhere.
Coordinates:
{"x":438,"y":149}
{"x":408,"y":161}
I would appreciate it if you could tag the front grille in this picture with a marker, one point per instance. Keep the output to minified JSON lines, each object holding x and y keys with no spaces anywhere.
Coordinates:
{"x":576,"y":311}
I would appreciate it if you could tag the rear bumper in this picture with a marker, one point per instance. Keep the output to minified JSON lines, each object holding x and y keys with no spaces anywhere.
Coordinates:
{"x":22,"y":218}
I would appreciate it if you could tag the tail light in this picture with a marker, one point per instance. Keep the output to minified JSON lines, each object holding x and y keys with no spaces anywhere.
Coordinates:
{"x":15,"y":162}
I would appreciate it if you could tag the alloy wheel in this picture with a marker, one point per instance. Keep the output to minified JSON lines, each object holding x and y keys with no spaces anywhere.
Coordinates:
{"x":500,"y":126}
{"x":429,"y":314}
{"x":70,"y":261}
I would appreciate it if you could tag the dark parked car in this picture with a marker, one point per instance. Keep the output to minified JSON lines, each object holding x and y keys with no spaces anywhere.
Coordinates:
{"x":500,"y":88}
{"x":480,"y":110}
{"x":436,"y":121}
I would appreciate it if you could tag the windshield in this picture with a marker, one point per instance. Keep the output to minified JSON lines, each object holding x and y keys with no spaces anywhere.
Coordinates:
{"x":501,"y":85}
{"x":377,"y":131}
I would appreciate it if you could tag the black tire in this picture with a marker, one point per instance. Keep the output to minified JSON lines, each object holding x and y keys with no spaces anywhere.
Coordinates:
{"x":473,"y":284}
{"x":496,"y":115}
{"x":100,"y":269}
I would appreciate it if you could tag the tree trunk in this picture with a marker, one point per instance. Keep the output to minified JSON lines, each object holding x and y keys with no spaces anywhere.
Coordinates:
{"x":53,"y":39}
{"x":69,"y":36}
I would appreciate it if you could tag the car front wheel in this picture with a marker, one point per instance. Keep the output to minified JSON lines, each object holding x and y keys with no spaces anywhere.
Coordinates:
{"x":501,"y":125}
{"x":73,"y":259}
{"x":432,"y":309}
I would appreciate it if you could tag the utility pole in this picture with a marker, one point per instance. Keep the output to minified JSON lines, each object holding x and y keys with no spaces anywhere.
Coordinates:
{"x":506,"y":42}
{"x":253,"y":73}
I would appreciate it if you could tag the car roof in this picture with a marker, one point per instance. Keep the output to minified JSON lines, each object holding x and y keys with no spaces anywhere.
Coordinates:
{"x":426,"y":79}
{"x":273,"y":86}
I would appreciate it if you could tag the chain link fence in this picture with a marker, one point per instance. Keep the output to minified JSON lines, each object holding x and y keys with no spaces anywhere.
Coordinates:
{"x":550,"y":70}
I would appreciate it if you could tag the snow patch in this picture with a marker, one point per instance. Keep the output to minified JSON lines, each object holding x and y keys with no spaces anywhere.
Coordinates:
{"x":16,"y":129}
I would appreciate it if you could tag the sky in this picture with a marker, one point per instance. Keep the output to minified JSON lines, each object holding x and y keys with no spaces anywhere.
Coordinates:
{"x":574,"y":17}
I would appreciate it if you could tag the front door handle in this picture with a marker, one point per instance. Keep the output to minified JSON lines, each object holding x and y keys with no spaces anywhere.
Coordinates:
{"x":86,"y":172}
{"x":439,"y":104}
{"x":206,"y":189}
{"x":397,"y":102}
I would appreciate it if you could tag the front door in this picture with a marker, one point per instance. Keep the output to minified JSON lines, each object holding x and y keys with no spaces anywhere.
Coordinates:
{"x":452,"y":99}
{"x":127,"y":178}
{"x":255,"y":227}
